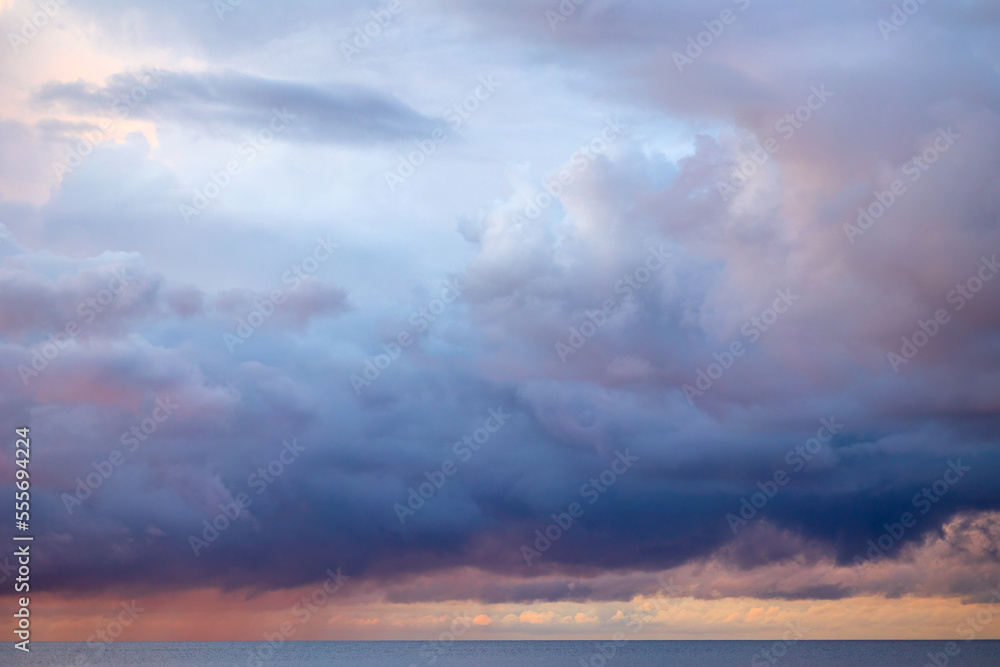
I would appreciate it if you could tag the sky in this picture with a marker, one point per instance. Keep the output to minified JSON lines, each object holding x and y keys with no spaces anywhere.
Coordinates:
{"x":503,"y":320}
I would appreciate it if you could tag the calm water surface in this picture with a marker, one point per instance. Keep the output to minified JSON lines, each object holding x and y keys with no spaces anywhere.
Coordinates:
{"x":521,"y":654}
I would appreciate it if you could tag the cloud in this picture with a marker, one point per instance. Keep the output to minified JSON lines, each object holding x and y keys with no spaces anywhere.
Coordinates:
{"x":640,"y":222}
{"x":230,"y":104}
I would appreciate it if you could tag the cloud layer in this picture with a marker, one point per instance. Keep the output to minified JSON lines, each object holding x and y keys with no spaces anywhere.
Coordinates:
{"x":758,"y":264}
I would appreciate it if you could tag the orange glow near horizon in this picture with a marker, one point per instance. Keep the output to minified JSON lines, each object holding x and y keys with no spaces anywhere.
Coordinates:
{"x":208,"y":615}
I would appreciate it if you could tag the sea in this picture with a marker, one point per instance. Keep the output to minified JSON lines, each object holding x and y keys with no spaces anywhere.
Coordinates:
{"x":514,"y":653}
